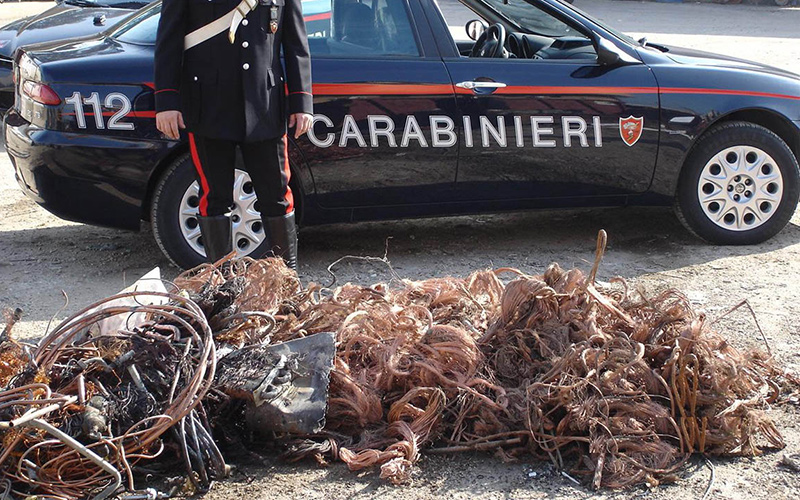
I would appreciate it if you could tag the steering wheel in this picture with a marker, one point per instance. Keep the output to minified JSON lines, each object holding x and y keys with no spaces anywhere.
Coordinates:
{"x":491,"y":43}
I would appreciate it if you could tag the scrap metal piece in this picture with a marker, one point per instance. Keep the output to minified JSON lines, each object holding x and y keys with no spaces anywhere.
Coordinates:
{"x":285,"y":385}
{"x":95,"y":421}
{"x":116,"y":476}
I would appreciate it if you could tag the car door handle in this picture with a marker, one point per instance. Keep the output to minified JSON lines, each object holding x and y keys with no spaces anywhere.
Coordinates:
{"x":476,"y":86}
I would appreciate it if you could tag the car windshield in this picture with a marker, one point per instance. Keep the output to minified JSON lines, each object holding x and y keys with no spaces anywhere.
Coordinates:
{"x":122,"y":4}
{"x":530,"y":18}
{"x":140,"y":29}
{"x":603,"y":25}
{"x":534,"y":20}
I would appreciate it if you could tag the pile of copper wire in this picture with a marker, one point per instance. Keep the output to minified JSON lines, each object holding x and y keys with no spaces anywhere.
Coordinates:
{"x":612,"y":386}
{"x":79,"y":412}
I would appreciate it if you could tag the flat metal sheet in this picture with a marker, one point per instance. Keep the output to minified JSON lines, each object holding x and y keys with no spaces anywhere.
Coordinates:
{"x":285,"y":385}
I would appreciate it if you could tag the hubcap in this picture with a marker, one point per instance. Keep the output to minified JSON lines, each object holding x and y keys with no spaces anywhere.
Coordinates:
{"x":740,"y":188}
{"x":247,"y":228}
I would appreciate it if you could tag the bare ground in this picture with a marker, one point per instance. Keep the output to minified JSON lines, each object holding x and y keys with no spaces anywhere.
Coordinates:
{"x":40,"y":255}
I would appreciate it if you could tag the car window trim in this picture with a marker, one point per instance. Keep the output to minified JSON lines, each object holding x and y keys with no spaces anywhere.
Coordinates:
{"x":438,"y":29}
{"x":412,"y":19}
{"x":574,"y":62}
{"x":368,"y":57}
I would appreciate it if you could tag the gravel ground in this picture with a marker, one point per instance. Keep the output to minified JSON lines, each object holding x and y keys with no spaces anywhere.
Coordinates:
{"x":41,"y":255}
{"x":10,"y":11}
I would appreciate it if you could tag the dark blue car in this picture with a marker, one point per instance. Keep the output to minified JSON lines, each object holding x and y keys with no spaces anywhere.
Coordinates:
{"x":532,"y":104}
{"x":67,"y":19}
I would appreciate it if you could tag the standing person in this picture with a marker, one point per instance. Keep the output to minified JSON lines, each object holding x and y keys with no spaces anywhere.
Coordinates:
{"x":224,"y":83}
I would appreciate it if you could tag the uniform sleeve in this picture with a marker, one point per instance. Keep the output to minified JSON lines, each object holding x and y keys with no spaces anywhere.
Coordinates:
{"x":297,"y":59}
{"x":169,"y":54}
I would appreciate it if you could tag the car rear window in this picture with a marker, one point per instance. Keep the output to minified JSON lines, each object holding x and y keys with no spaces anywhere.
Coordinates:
{"x":141,"y":29}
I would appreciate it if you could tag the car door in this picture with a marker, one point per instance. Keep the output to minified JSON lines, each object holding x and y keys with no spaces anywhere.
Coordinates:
{"x":557,"y":124}
{"x":380,"y":90}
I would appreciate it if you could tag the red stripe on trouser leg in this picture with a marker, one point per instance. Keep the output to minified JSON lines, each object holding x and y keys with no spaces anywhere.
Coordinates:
{"x":203,"y":207}
{"x":288,"y":195}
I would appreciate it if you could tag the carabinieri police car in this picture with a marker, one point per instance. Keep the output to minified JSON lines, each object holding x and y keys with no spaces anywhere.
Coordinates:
{"x":536,"y":105}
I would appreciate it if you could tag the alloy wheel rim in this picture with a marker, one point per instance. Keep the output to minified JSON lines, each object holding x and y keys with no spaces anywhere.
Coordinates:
{"x":740,"y":188}
{"x":247,"y":230}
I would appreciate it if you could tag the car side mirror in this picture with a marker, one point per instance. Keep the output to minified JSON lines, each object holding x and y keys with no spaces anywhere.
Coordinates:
{"x":607,"y":52}
{"x":475,"y":28}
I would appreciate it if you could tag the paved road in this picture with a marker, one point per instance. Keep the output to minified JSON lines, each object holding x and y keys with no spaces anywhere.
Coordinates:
{"x":756,"y":32}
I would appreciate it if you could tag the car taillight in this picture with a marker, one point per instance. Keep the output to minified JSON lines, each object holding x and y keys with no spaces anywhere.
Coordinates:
{"x":40,"y":93}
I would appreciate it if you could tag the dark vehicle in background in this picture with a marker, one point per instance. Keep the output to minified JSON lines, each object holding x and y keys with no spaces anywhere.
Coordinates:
{"x":534,"y":104}
{"x":67,"y":19}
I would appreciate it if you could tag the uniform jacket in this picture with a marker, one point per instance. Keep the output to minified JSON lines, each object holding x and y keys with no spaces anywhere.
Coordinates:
{"x":233,"y":91}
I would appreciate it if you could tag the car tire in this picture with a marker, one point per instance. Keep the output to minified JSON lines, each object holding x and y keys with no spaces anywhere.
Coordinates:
{"x":739,"y":186}
{"x":171,"y":223}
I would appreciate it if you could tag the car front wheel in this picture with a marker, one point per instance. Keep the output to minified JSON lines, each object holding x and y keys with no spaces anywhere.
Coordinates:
{"x":174,"y":214}
{"x":739,"y":186}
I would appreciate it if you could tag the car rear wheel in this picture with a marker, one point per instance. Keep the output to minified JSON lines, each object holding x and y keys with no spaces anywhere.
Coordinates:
{"x":739,"y":186}
{"x":174,"y":216}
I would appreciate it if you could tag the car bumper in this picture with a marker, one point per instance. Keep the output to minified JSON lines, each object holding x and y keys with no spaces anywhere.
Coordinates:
{"x":50,"y":169}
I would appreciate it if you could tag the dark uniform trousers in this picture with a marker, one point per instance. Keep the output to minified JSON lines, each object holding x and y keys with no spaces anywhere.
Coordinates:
{"x":266,"y":161}
{"x":236,"y":95}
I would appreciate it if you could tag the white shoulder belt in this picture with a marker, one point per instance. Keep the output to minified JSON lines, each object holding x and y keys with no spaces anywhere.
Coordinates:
{"x":229,"y":21}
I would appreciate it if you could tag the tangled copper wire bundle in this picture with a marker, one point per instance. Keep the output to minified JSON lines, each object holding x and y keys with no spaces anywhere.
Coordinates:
{"x":617,"y":388}
{"x":81,"y":411}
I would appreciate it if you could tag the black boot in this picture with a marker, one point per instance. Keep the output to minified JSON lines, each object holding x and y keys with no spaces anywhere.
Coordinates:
{"x":216,"y":232}
{"x":282,"y":237}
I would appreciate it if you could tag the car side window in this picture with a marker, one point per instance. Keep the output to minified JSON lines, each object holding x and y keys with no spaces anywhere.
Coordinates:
{"x":531,"y":33}
{"x":532,"y":19}
{"x":355,"y":28}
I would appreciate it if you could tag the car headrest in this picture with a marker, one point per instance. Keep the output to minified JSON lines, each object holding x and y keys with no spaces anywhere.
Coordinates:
{"x":359,"y":25}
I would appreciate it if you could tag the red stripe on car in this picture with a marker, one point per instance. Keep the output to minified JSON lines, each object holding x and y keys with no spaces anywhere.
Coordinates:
{"x":355,"y":89}
{"x":317,"y":17}
{"x":573,"y":90}
{"x":358,"y":89}
{"x":132,"y":114}
{"x":752,"y":93}
{"x":554,"y":90}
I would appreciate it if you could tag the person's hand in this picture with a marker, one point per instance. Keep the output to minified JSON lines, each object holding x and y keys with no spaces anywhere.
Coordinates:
{"x":302,"y":122}
{"x":169,"y":123}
